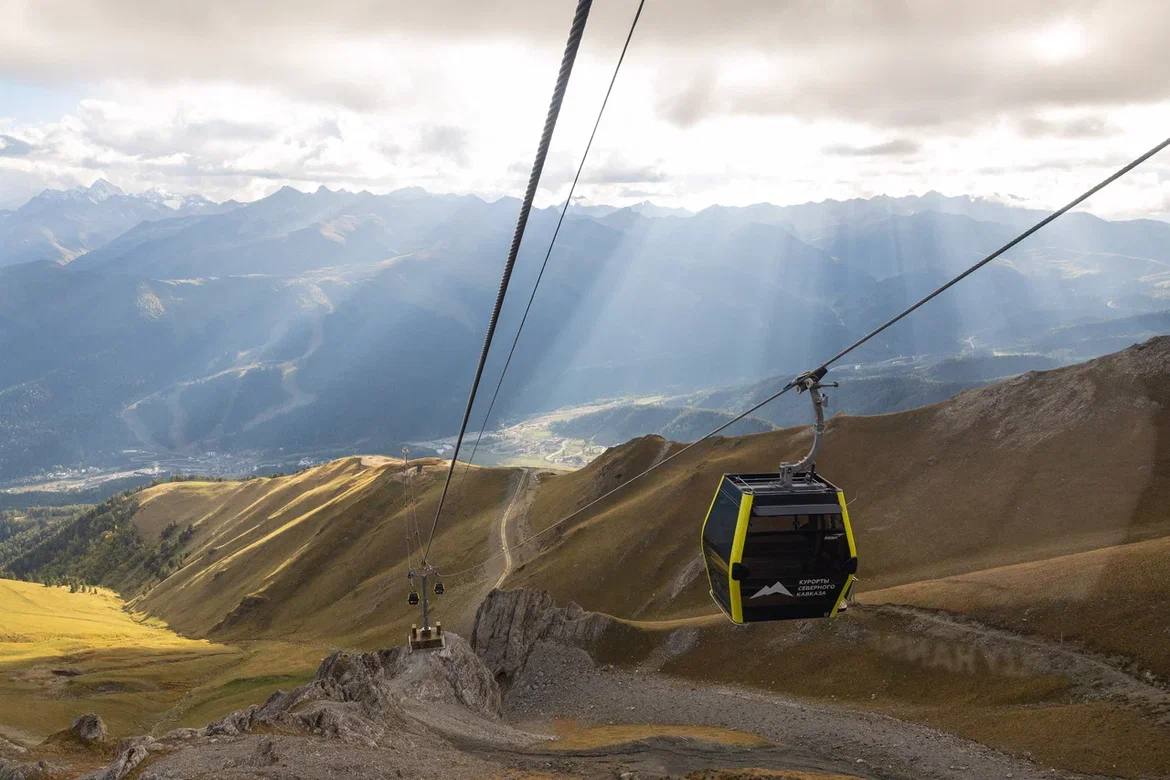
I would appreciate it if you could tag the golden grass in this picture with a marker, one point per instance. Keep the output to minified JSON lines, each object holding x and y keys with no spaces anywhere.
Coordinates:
{"x":321,"y":556}
{"x":1090,"y":737}
{"x":39,"y":622}
{"x":62,"y":654}
{"x":573,"y":735}
{"x":160,"y":505}
{"x":750,"y":773}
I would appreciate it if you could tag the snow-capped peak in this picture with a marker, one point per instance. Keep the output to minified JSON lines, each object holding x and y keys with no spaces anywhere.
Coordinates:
{"x":102,"y":190}
{"x":176,"y":202}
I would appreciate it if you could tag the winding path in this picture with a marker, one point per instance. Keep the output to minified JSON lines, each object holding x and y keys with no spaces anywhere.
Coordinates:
{"x":521,"y":495}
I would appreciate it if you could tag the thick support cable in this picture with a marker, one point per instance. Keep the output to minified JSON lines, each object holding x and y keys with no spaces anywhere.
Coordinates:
{"x":551,"y":244}
{"x":576,"y":30}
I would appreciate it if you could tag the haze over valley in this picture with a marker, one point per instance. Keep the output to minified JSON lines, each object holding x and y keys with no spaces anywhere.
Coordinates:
{"x":147,"y":335}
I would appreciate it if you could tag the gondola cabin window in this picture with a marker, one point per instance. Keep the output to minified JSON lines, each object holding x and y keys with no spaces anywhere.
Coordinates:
{"x":784,"y":545}
{"x":718,"y":537}
{"x":720,"y":531}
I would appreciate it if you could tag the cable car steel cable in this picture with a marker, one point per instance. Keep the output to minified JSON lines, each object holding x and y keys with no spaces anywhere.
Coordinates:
{"x":551,"y":244}
{"x":823,"y":367}
{"x":414,"y":530}
{"x":406,"y":524}
{"x":576,"y":30}
{"x":1042,"y":223}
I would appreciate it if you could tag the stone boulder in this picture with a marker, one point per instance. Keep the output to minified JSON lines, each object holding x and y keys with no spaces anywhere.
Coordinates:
{"x":89,"y":730}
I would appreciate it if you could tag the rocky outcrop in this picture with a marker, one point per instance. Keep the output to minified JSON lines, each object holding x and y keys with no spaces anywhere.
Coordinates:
{"x":365,"y":699}
{"x":89,"y":730}
{"x":358,"y":696}
{"x":131,"y":753}
{"x":86,"y":736}
{"x":378,"y":709}
{"x":510,"y":623}
{"x":38,"y":770}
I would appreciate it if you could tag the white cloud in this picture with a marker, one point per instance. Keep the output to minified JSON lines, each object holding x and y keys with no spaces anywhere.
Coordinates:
{"x":781,"y":102}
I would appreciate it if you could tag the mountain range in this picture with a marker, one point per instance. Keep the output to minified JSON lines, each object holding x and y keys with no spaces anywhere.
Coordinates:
{"x":61,"y":225}
{"x":313,"y":324}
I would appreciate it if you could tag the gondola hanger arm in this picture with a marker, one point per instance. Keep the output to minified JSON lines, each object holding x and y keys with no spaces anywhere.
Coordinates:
{"x":809,"y":382}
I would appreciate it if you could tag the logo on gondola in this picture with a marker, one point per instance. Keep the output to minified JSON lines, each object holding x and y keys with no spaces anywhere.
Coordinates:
{"x":773,"y":590}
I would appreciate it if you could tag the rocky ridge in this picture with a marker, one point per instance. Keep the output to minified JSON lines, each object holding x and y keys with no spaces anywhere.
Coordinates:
{"x":510,"y":625}
{"x":383,"y":709}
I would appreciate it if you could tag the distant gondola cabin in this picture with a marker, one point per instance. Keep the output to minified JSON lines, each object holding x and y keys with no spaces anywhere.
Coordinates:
{"x":777,"y":551}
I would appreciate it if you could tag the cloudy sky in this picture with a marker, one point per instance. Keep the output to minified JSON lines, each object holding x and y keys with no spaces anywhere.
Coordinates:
{"x":721,"y":101}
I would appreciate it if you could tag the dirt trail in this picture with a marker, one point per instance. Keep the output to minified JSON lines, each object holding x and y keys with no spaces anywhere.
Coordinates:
{"x":521,"y":499}
{"x":662,"y":452}
{"x":1095,"y":676}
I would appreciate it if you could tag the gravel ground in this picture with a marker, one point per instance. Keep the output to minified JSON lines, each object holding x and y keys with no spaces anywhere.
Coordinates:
{"x":560,"y":681}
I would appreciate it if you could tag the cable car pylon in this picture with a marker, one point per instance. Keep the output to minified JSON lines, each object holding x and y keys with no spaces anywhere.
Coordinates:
{"x":422,"y":636}
{"x":425,"y":636}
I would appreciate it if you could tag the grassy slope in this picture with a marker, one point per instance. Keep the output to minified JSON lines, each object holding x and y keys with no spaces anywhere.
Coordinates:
{"x":128,"y":668}
{"x":319,"y":555}
{"x":1112,"y":599}
{"x":892,"y":664}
